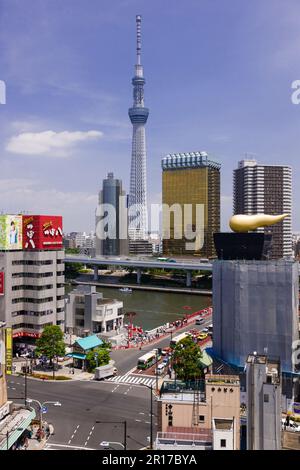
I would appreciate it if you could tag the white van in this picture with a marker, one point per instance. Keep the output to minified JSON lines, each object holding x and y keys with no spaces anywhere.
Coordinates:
{"x":160,"y":369}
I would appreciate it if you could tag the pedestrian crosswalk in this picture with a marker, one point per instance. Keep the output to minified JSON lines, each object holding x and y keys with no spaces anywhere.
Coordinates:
{"x":133,"y":380}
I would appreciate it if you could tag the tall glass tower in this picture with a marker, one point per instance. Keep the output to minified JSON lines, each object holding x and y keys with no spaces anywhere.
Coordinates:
{"x":138,"y":114}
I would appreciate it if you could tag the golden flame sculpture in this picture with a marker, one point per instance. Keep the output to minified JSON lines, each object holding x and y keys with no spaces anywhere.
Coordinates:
{"x":244,"y":223}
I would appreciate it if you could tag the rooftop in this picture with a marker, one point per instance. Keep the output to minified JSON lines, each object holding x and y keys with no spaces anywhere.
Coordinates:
{"x":89,"y":342}
{"x":188,"y":160}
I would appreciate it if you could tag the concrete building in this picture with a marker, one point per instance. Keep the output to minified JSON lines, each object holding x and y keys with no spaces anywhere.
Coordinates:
{"x":263,"y":403}
{"x":34,"y":291}
{"x":200,"y":416}
{"x":255,"y":305}
{"x":190,"y":179}
{"x":266,"y":189}
{"x":88,"y":312}
{"x":112,"y":194}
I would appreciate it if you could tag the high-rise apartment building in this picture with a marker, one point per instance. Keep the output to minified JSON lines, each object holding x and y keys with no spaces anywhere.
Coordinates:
{"x":190,"y":179}
{"x":138,"y":115}
{"x":111,"y":237}
{"x":266,"y":189}
{"x":32,"y":291}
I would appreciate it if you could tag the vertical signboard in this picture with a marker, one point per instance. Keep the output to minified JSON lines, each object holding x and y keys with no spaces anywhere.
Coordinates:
{"x":1,"y":283}
{"x":11,"y":232}
{"x":8,"y":350}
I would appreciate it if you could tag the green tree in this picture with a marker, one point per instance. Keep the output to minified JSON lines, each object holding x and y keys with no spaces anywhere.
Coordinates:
{"x":102,"y":358}
{"x":72,"y":251}
{"x":186,"y":360}
{"x":51,"y":343}
{"x":73,"y":269}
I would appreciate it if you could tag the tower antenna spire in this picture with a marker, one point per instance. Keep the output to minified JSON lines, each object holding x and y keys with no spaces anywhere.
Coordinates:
{"x":138,"y":39}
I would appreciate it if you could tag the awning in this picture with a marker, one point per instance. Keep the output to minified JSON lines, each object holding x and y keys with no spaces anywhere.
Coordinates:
{"x":16,"y":427}
{"x":77,"y":356}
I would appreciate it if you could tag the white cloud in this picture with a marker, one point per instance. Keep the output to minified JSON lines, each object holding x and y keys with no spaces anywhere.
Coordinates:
{"x":49,"y":143}
{"x":26,"y":195}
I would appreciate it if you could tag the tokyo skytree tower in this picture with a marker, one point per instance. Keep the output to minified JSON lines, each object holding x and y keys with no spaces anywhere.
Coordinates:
{"x":138,"y":115}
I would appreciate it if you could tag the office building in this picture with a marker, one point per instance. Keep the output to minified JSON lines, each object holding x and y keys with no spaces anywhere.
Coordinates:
{"x":138,"y":115}
{"x":111,"y":227}
{"x":255,"y":305}
{"x":88,"y":312}
{"x":203,"y":415}
{"x":266,"y":189}
{"x":32,"y":290}
{"x":263,"y":377}
{"x":190,"y":179}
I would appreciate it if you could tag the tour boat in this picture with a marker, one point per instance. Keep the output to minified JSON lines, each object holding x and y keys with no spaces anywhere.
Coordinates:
{"x":126,"y":289}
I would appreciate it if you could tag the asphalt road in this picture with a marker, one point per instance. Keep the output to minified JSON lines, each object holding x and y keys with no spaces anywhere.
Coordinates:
{"x":83,"y":403}
{"x":127,"y":359}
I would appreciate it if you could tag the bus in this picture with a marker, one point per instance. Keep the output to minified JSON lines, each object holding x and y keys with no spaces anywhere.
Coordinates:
{"x":147,"y":360}
{"x":178,"y":338}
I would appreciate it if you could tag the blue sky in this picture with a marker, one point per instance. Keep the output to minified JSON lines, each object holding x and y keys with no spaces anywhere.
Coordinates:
{"x":218,"y":78}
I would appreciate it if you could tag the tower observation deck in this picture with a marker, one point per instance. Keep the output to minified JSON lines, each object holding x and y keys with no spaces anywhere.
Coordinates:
{"x":138,"y":114}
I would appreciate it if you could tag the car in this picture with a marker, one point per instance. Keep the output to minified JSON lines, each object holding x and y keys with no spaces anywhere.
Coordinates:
{"x":291,"y":427}
{"x":202,"y":336}
{"x":165,"y":360}
{"x":205,"y":330}
{"x":166,"y":351}
{"x":199,"y":321}
{"x":160,"y":369}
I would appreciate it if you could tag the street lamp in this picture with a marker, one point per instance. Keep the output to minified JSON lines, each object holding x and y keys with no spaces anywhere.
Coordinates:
{"x":150,"y":387}
{"x":41,"y":405}
{"x":106,"y":444}
{"x":125,"y":432}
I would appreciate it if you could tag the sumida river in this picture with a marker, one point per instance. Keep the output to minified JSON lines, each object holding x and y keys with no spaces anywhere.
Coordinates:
{"x":155,"y":308}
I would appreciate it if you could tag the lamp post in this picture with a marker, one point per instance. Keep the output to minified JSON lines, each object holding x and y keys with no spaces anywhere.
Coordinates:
{"x":107,"y":444}
{"x":150,"y":387}
{"x":41,"y":405}
{"x":124,"y":445}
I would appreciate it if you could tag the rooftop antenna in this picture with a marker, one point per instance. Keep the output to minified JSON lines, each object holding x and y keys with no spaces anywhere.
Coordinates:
{"x":138,"y":39}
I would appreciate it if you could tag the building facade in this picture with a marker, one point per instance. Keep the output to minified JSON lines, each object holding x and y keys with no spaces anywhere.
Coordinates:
{"x":112,"y":194}
{"x":138,"y":114}
{"x":199,"y":416}
{"x":266,"y":189}
{"x":255,"y":305}
{"x":263,"y":403}
{"x":190,"y":179}
{"x":32,"y":289}
{"x":87,"y":311}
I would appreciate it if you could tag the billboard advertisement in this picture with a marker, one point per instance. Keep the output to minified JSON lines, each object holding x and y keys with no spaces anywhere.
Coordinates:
{"x":11,"y":232}
{"x":1,"y":283}
{"x":8,"y":350}
{"x":42,"y":232}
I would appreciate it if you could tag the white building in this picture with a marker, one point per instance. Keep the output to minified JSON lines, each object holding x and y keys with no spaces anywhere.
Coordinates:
{"x":89,"y":312}
{"x":34,"y":291}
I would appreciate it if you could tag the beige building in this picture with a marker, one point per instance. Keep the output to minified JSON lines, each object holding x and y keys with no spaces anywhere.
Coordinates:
{"x":206,"y":416}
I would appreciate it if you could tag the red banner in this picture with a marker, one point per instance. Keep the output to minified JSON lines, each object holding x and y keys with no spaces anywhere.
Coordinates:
{"x":42,"y":232}
{"x":1,"y":283}
{"x":21,"y":334}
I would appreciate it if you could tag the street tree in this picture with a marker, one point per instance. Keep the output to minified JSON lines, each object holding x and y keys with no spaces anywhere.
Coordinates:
{"x":97,"y":357}
{"x":186,"y":360}
{"x":51,"y":343}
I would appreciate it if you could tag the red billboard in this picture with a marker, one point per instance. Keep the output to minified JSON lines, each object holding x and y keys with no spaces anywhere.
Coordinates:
{"x":42,"y":232}
{"x":22,"y":334}
{"x":1,"y":283}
